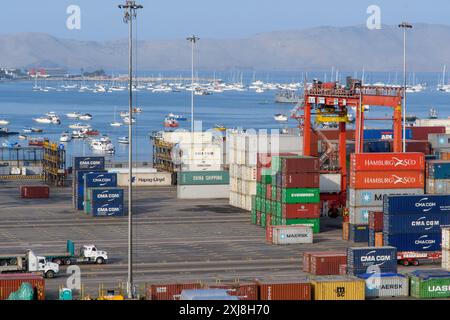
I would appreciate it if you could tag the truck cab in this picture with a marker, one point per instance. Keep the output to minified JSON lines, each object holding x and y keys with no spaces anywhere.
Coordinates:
{"x":91,"y":254}
{"x":38,"y":263}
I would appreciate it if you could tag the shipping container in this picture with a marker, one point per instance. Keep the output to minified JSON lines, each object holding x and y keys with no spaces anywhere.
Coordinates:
{"x":439,"y":141}
{"x":313,"y":223}
{"x":168,"y":291}
{"x":203,"y":192}
{"x":385,"y":285}
{"x":384,"y":134}
{"x":279,"y":290}
{"x":387,"y":179}
{"x":416,"y":204}
{"x":438,"y":169}
{"x":343,"y":270}
{"x":307,"y":258}
{"x":203,"y":178}
{"x":338,"y":288}
{"x":360,"y":215}
{"x":430,"y":284}
{"x":376,"y":146}
{"x":300,"y":195}
{"x":387,"y":162}
{"x":358,"y":233}
{"x":414,"y":242}
{"x":300,"y":180}
{"x":89,"y":163}
{"x":158,"y":179}
{"x":446,"y":238}
{"x":346,"y":231}
{"x":421,"y":133}
{"x":299,"y":210}
{"x":374,"y":197}
{"x":34,"y":192}
{"x":325,"y":264}
{"x":106,"y":180}
{"x":107,"y":209}
{"x":434,"y":186}
{"x":283,"y":235}
{"x":376,"y":221}
{"x":10,"y":283}
{"x":242,"y":290}
{"x":265,"y":159}
{"x":330,"y":182}
{"x":371,"y":259}
{"x":415,"y":223}
{"x":445,"y":261}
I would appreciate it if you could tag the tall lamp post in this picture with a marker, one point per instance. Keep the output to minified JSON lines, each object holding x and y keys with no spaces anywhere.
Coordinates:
{"x":130,"y":7}
{"x":193,"y":41}
{"x":404,"y":26}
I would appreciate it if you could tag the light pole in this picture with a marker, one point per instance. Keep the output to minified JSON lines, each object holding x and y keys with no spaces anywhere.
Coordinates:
{"x":130,"y":7}
{"x":193,"y":41}
{"x":404,"y":26}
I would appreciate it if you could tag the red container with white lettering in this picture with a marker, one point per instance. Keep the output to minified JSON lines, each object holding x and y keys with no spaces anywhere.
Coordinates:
{"x":300,"y":211}
{"x":168,"y":291}
{"x":392,"y":179}
{"x":383,"y":162}
{"x":243,"y":290}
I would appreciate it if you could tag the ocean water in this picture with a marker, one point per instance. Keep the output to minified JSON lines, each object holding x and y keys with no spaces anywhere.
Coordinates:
{"x":19,"y":104}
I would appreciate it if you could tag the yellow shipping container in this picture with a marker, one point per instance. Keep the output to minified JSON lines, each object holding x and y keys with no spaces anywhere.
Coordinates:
{"x":338,"y":288}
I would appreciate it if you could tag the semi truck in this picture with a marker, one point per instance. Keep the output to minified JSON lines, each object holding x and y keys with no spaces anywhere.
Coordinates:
{"x":411,"y":258}
{"x":87,"y":254}
{"x":28,"y":263}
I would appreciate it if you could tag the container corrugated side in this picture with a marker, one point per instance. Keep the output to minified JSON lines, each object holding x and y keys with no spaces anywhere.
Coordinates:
{"x":374,"y":197}
{"x":203,"y":178}
{"x":414,"y":242}
{"x":243,"y":290}
{"x":430,"y":287}
{"x":168,"y":291}
{"x":416,"y":204}
{"x":327,"y":264}
{"x":11,"y":282}
{"x":338,"y":288}
{"x":376,"y":221}
{"x":284,"y":290}
{"x":386,"y":285}
{"x":446,"y":238}
{"x":300,"y":195}
{"x":282,"y":235}
{"x":387,"y":162}
{"x":387,"y":179}
{"x":415,"y":223}
{"x":360,"y":215}
{"x":359,"y":260}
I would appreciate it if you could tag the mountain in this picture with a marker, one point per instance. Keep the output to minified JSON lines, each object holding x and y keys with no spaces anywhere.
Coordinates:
{"x":314,"y":49}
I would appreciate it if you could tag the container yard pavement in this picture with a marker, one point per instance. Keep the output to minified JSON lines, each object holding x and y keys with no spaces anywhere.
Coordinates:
{"x":174,"y":240}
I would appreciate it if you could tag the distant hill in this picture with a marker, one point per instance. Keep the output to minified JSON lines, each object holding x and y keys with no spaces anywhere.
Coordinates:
{"x":346,"y":48}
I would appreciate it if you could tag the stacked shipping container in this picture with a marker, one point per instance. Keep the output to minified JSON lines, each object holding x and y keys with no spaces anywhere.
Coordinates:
{"x":203,"y":185}
{"x":373,"y":175}
{"x":438,"y":177}
{"x":446,"y":248}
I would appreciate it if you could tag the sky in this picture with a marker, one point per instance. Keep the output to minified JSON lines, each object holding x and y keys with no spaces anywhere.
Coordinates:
{"x":172,"y":19}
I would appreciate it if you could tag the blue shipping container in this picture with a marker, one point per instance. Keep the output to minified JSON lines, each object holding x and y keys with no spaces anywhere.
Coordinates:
{"x":377,"y":146}
{"x":371,"y":241}
{"x":94,"y":180}
{"x":110,"y":195}
{"x":79,"y":187}
{"x":416,"y":204}
{"x":414,"y":223}
{"x":384,"y":134}
{"x":369,"y":259}
{"x":359,"y":233}
{"x":107,"y":210}
{"x":414,"y":242}
{"x":439,"y":170}
{"x":89,"y":163}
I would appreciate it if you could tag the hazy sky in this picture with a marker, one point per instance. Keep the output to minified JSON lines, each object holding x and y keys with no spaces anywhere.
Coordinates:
{"x":169,"y":19}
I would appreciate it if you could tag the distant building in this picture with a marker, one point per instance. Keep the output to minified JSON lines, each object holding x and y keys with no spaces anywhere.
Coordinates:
{"x":48,"y":72}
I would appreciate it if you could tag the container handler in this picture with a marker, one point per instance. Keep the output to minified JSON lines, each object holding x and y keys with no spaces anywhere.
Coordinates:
{"x":87,"y":254}
{"x":28,"y":263}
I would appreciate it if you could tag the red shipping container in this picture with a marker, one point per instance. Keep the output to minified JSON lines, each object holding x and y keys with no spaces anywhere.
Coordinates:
{"x":269,"y":192}
{"x":387,"y":179}
{"x":168,"y":291}
{"x":10,"y":283}
{"x":326,"y":264}
{"x":34,"y":192}
{"x":258,"y":218}
{"x":279,"y":290}
{"x":299,"y":165}
{"x":300,"y":180}
{"x":421,"y":133}
{"x":301,"y":210}
{"x":265,"y":159}
{"x":269,"y":230}
{"x":307,"y":260}
{"x":243,"y":290}
{"x":387,"y":161}
{"x":343,"y":270}
{"x":376,"y":221}
{"x":258,"y":174}
{"x":346,"y":230}
{"x":417,"y":146}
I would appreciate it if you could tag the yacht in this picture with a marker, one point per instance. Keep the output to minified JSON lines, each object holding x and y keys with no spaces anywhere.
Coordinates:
{"x":79,"y":126}
{"x":259,"y":90}
{"x":123,"y":140}
{"x":85,"y":116}
{"x":103,"y":144}
{"x":116,"y":124}
{"x":45,"y":120}
{"x":65,"y":137}
{"x":126,"y":120}
{"x":137,"y":110}
{"x":73,"y":115}
{"x":22,"y":137}
{"x":78,"y":134}
{"x":432,"y":113}
{"x":280,"y":117}
{"x":124,"y":114}
{"x":170,"y":123}
{"x":176,"y":117}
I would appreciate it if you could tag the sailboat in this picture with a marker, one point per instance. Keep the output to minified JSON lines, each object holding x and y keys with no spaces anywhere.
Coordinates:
{"x":115,"y":123}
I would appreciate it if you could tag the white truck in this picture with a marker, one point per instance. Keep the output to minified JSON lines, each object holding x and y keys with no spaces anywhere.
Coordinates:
{"x":87,"y":254}
{"x":28,"y":263}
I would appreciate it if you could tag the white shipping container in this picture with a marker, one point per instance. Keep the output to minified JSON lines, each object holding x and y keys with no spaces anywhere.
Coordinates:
{"x":433,"y":123}
{"x":446,"y":259}
{"x":387,"y":286}
{"x":446,"y":238}
{"x":203,"y":192}
{"x":135,"y":170}
{"x":330,"y":182}
{"x":145,"y":179}
{"x":298,"y":234}
{"x":437,"y":186}
{"x":374,"y":197}
{"x":360,"y":215}
{"x":187,"y":137}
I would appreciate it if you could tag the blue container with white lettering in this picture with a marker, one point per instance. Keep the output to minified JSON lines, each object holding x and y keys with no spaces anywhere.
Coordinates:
{"x":109,"y":195}
{"x":371,"y":260}
{"x":384,"y":134}
{"x":415,"y":223}
{"x":416,"y":204}
{"x":439,"y":169}
{"x":414,"y":242}
{"x":107,"y":210}
{"x":89,"y":163}
{"x":102,"y":180}
{"x":79,"y":187}
{"x":359,"y":233}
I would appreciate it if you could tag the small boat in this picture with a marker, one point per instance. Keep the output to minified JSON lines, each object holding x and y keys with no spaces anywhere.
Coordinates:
{"x":259,"y":90}
{"x":8,"y":144}
{"x":126,"y":120}
{"x":124,"y":114}
{"x":73,"y":115}
{"x":176,"y":117}
{"x":4,"y":122}
{"x":27,"y":130}
{"x":79,"y":126}
{"x":432,"y":113}
{"x":22,"y":137}
{"x":86,"y":116}
{"x":65,"y":137}
{"x":78,"y":134}
{"x":123,"y":140}
{"x":36,"y":130}
{"x":280,"y":117}
{"x":45,"y":120}
{"x":201,"y":92}
{"x":116,"y":124}
{"x":90,"y":132}
{"x":103,"y":144}
{"x":137,"y":110}
{"x":6,"y":132}
{"x":170,"y":123}
{"x":36,"y":142}
{"x":220,"y":127}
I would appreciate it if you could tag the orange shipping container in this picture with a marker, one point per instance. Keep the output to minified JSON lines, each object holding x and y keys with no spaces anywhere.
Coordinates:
{"x":11,"y":282}
{"x":387,"y":179}
{"x":387,"y":161}
{"x":378,"y":239}
{"x":279,"y":290}
{"x":346,"y":231}
{"x":243,"y":290}
{"x":168,"y":291}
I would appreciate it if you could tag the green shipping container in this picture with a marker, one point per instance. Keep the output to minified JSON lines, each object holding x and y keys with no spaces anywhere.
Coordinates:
{"x":253,"y":202}
{"x":253,"y":216}
{"x":274,"y":192}
{"x":263,"y":192}
{"x":259,"y":188}
{"x":266,"y":176}
{"x":278,"y":209}
{"x":314,"y":223}
{"x":432,"y":287}
{"x":258,"y":203}
{"x":300,"y":195}
{"x":268,"y":206}
{"x":263,"y":220}
{"x":193,"y":178}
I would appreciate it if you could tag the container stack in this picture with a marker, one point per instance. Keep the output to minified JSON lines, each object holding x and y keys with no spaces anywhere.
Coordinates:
{"x":242,"y":156}
{"x":427,"y":284}
{"x":438,"y":177}
{"x":370,"y":260}
{"x":440,"y":142}
{"x":375,"y":229}
{"x":413,"y":222}
{"x":373,"y":175}
{"x":289,"y":193}
{"x":102,"y":197}
{"x":203,"y":185}
{"x":82,"y":166}
{"x":446,"y":248}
